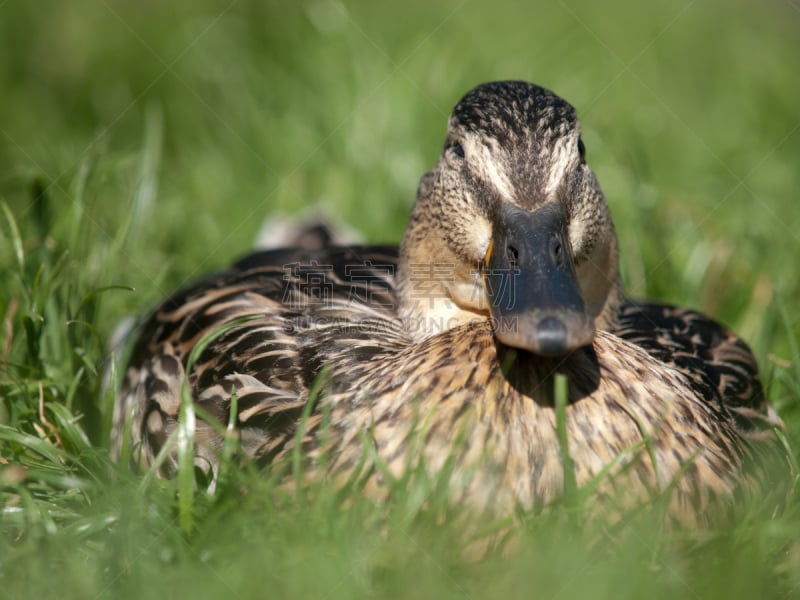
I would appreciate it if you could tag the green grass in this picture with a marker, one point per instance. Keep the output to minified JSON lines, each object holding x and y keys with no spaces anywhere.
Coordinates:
{"x":142,"y":144}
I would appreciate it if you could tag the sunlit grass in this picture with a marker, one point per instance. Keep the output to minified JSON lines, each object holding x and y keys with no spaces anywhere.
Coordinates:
{"x":142,"y":146}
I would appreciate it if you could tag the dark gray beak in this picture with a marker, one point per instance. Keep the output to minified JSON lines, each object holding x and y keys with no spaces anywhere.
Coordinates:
{"x":529,"y":273}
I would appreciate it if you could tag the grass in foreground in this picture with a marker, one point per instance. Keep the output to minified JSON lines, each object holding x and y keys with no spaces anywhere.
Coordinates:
{"x":142,"y":148}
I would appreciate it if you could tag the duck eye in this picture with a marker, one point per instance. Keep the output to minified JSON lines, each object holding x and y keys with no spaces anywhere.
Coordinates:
{"x":582,"y":150}
{"x":458,"y":149}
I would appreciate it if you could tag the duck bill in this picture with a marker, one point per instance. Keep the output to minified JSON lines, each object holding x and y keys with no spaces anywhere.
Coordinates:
{"x":529,"y":273}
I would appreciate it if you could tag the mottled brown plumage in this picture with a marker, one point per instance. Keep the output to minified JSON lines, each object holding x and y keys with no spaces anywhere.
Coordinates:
{"x":447,"y":350}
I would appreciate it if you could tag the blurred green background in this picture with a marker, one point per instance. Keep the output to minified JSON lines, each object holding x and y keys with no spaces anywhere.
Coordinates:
{"x":143,"y":143}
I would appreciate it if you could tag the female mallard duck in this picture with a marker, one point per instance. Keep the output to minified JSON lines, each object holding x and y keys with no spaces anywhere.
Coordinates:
{"x":444,"y":352}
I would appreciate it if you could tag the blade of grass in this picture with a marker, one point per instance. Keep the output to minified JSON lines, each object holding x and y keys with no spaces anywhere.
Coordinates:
{"x":561,"y":396}
{"x":16,"y":238}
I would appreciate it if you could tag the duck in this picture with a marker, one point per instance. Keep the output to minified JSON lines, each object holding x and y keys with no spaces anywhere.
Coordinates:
{"x":447,"y":351}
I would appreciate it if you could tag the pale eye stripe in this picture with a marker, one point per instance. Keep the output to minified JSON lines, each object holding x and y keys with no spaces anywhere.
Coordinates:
{"x":490,"y":167}
{"x":561,"y":161}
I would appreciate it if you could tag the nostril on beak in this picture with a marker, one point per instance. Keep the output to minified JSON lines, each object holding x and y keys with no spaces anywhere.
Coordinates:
{"x":513,"y":255}
{"x":552,"y":337}
{"x":557,"y":251}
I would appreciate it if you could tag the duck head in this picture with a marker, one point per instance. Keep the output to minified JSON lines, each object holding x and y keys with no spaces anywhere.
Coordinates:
{"x":511,"y":225}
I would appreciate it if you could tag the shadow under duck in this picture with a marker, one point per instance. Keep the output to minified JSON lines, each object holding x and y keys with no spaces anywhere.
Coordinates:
{"x":443,"y":352}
